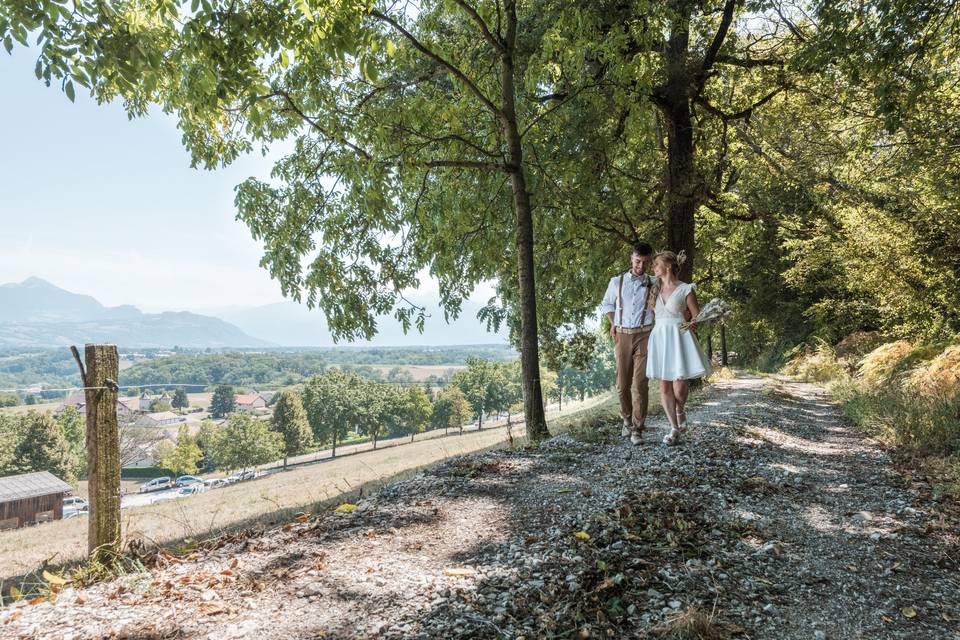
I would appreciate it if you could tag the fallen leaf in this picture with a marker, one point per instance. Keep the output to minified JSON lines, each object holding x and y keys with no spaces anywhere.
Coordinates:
{"x":463,"y":572}
{"x":52,"y":579}
{"x":582,"y":535}
{"x":13,"y":616}
{"x":37,"y":601}
{"x":213,"y":608}
{"x":235,"y":563}
{"x":346,"y":507}
{"x":303,"y":517}
{"x":80,"y":600}
{"x":226,"y":572}
{"x":909,"y":612}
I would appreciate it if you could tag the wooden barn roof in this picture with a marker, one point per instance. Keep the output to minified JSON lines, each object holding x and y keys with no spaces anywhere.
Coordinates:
{"x":31,"y":485}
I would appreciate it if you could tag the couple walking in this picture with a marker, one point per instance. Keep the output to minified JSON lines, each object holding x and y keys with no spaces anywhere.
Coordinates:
{"x":645,"y":314}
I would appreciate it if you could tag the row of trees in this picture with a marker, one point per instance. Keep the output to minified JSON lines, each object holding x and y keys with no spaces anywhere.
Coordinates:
{"x":323,"y":412}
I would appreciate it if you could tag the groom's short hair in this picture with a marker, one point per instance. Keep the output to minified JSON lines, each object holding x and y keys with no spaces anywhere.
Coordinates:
{"x":642,"y":249}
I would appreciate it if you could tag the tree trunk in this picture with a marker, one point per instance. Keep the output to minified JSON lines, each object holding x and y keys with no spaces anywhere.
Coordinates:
{"x":529,"y":344}
{"x":333,"y":452}
{"x":681,"y":179}
{"x":103,"y":453}
{"x":284,"y":463}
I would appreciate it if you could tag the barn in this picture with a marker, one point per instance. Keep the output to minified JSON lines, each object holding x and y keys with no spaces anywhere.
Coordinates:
{"x":30,"y":498}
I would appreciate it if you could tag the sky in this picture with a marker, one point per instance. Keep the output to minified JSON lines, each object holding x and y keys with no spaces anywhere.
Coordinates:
{"x":101,"y":205}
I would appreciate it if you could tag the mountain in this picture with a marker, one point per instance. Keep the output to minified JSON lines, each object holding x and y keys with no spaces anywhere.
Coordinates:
{"x":291,"y":324}
{"x":36,"y":313}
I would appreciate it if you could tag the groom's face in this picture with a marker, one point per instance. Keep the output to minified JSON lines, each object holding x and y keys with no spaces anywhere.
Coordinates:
{"x":639,"y":264}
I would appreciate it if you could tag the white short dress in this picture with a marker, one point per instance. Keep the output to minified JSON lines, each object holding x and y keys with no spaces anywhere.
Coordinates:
{"x":673,"y":354}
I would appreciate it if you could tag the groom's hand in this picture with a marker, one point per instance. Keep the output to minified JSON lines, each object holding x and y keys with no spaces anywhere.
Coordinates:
{"x":613,"y":332}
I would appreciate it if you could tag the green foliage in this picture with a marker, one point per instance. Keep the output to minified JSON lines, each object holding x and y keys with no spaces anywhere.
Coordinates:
{"x":290,"y":421}
{"x":451,"y":410}
{"x":73,"y":425}
{"x":332,"y":402}
{"x":10,"y":400}
{"x":245,"y":441}
{"x":223,"y":402}
{"x":160,"y":405}
{"x":411,"y":412}
{"x":181,"y":458}
{"x":43,"y":447}
{"x":180,"y":400}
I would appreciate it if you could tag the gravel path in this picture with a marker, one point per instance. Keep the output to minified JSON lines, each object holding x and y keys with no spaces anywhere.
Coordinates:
{"x":774,"y":521}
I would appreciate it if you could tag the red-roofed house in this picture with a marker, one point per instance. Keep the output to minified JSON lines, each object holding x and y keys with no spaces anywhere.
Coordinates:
{"x":250,"y":402}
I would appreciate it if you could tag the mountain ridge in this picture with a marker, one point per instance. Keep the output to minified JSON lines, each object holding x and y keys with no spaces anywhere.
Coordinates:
{"x":37,"y":313}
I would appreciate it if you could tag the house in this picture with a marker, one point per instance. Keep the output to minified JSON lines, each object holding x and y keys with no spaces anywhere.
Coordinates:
{"x":249,"y":402}
{"x":267,"y":396}
{"x":147,"y":400}
{"x":126,"y":407}
{"x":31,"y":497}
{"x":159,"y":419}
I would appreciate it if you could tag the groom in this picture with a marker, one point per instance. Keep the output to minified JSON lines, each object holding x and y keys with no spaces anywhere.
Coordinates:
{"x":625,"y":303}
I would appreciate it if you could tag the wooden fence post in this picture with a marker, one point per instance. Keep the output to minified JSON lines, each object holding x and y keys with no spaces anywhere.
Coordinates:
{"x":723,"y":345}
{"x":103,"y":450}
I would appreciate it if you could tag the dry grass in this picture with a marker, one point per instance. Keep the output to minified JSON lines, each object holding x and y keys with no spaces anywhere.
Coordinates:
{"x":878,"y":366}
{"x":939,"y":378}
{"x":263,"y":501}
{"x":692,"y":624}
{"x":723,"y":373}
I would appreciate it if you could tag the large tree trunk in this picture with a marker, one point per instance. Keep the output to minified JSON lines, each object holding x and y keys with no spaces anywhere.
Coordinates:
{"x":529,"y":344}
{"x":681,"y":179}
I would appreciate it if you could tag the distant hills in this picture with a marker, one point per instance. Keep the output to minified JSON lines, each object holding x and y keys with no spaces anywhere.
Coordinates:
{"x":36,"y":313}
{"x":290,"y":324}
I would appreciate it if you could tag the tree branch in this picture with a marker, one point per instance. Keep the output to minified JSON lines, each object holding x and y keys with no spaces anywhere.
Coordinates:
{"x":494,"y":40}
{"x":711,"y":55}
{"x":748,"y":63}
{"x":739,"y":115}
{"x":422,"y":48}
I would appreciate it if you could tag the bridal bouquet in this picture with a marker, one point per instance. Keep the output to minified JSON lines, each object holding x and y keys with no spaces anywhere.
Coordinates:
{"x":714,"y":311}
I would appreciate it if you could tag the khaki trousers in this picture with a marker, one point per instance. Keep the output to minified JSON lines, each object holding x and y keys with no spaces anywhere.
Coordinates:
{"x":633,"y":387}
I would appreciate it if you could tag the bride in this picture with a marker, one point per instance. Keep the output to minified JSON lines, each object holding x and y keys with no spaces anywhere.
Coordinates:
{"x":674,"y":355}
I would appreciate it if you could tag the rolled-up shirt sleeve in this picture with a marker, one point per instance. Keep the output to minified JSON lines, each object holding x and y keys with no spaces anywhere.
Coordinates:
{"x":609,"y":303}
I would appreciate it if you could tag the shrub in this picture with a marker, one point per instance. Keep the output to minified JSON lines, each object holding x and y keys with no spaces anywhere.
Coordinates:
{"x":939,"y":378}
{"x":878,"y":367}
{"x":821,"y":365}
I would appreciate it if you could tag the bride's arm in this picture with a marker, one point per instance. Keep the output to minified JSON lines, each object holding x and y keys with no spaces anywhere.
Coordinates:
{"x":693,"y":307}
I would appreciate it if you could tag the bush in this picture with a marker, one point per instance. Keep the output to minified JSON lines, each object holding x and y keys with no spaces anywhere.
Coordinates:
{"x":822,"y":365}
{"x":878,"y":367}
{"x":939,"y":378}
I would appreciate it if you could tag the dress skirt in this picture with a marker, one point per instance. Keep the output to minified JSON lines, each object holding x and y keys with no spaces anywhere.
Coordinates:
{"x":673,"y":354}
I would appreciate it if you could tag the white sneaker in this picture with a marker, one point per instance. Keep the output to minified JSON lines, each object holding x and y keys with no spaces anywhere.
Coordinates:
{"x":673,"y":438}
{"x":636,"y":437}
{"x":625,"y":431}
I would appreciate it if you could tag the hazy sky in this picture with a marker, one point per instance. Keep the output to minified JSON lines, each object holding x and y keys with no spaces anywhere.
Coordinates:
{"x":101,"y":205}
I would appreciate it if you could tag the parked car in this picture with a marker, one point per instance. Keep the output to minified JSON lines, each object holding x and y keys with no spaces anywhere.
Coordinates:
{"x":184,"y":481}
{"x":163,"y":482}
{"x":191,"y":489}
{"x":213,"y":483}
{"x":74,"y":506}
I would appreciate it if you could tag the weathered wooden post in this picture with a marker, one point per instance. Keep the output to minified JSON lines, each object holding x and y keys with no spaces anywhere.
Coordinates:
{"x":710,"y":345}
{"x":723,"y":345}
{"x":103,"y":449}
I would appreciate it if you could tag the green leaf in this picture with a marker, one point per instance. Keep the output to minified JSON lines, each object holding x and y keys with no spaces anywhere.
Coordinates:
{"x":391,"y":48}
{"x":284,"y":58}
{"x":70,"y":91}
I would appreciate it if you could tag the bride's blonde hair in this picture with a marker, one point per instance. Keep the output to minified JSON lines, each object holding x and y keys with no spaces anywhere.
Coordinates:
{"x":672,"y":260}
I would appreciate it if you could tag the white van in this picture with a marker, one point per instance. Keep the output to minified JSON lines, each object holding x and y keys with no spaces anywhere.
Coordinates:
{"x":164,"y":482}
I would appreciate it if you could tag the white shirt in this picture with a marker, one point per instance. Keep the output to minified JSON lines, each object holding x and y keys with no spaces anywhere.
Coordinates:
{"x":634,"y":298}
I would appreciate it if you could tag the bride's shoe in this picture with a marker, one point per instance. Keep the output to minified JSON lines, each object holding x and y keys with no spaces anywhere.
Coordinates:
{"x":681,"y":419}
{"x":675,"y":437}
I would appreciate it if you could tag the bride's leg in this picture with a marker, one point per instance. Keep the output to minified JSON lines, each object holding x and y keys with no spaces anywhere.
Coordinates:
{"x":681,"y":389}
{"x":668,"y":401}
